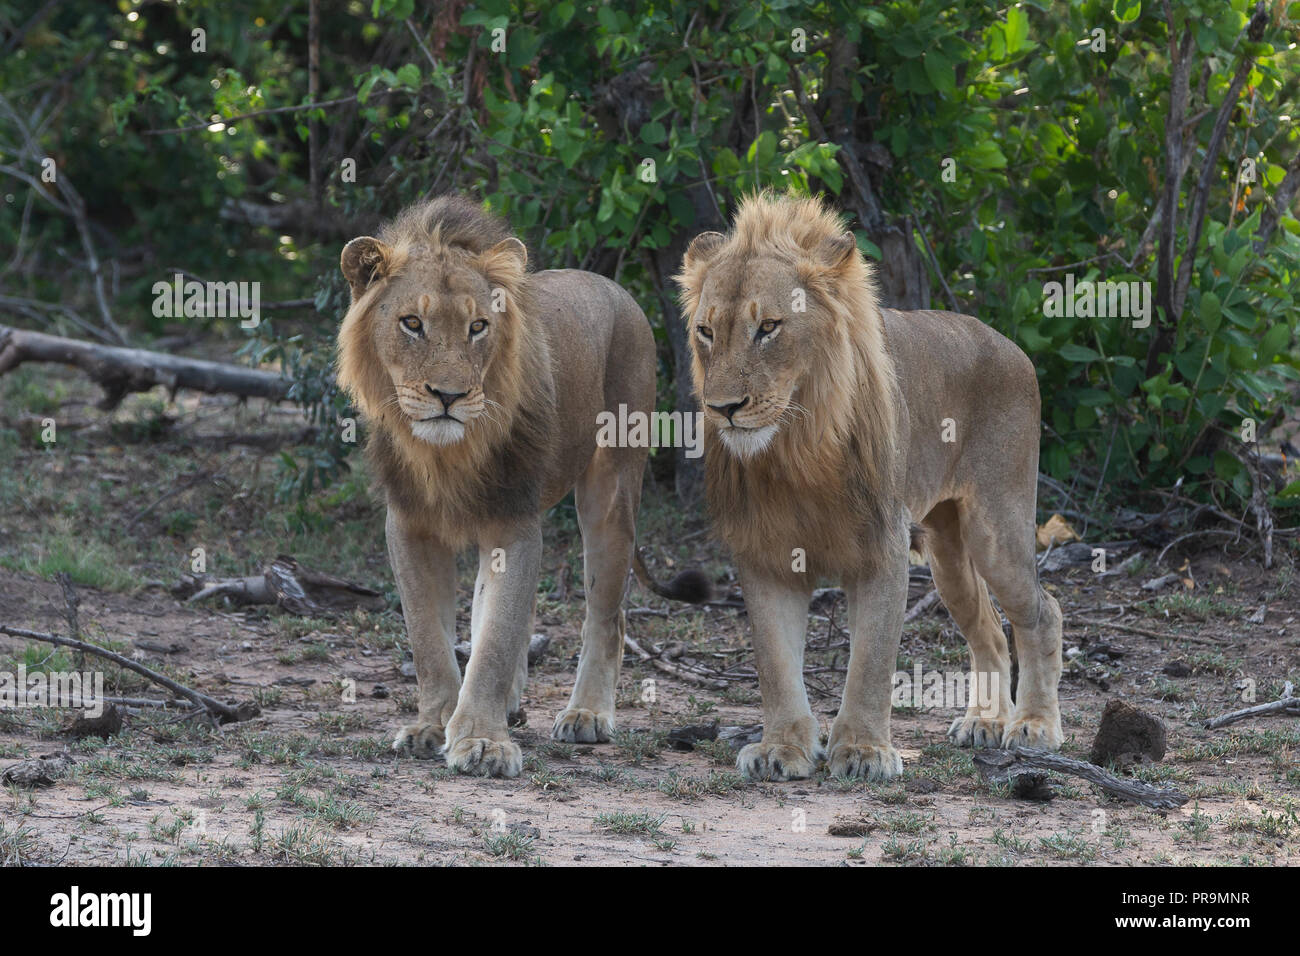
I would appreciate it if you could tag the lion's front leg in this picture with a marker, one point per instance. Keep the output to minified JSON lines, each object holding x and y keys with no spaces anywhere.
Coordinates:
{"x":790,"y":747}
{"x":478,"y":740}
{"x":859,"y":744}
{"x":425,"y":571}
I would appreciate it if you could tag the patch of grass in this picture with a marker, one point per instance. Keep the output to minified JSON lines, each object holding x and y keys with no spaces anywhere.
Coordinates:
{"x":86,"y":561}
{"x":305,"y":844}
{"x":693,"y":788}
{"x":1191,"y":607}
{"x":624,"y":822}
{"x":508,"y":845}
{"x":1069,"y":847}
{"x":17,"y":845}
{"x":638,"y":746}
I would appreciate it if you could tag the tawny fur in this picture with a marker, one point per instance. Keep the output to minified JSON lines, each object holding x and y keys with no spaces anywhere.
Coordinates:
{"x":822,"y":485}
{"x":494,"y":474}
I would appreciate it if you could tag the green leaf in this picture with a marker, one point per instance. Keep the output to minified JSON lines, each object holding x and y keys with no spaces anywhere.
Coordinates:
{"x":1017,"y":29}
{"x":653,"y":132}
{"x":1126,"y":11}
{"x":939,"y":69}
{"x":1079,"y":353}
{"x":1274,"y":341}
{"x":1211,"y":312}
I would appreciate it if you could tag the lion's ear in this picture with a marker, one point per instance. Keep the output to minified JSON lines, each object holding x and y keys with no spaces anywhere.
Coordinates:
{"x":511,"y":247}
{"x":364,"y":260}
{"x":835,"y":252}
{"x":702,"y":247}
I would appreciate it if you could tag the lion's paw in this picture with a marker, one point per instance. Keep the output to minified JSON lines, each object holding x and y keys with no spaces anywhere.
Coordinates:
{"x":869,"y":761}
{"x":420,"y":740}
{"x":576,"y":725}
{"x":776,"y":761}
{"x":484,"y":756}
{"x":972,"y":730}
{"x":1043,"y":733}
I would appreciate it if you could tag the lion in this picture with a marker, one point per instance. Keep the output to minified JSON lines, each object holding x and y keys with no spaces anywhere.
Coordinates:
{"x":481,"y":384}
{"x":831,"y":426}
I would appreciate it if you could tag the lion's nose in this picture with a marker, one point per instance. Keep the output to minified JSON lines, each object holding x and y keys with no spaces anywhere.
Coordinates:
{"x":730,"y":408}
{"x":448,"y":399}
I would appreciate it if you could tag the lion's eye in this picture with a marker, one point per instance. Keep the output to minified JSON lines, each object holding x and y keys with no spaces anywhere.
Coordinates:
{"x":766,"y":328}
{"x":411,"y":323}
{"x":477,"y":327}
{"x":704,"y":332}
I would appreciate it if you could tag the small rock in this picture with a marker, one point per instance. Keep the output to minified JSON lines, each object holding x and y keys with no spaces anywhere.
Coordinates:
{"x":380,"y":692}
{"x":1179,"y":668}
{"x":1258,"y":616}
{"x":852,"y":826}
{"x":537,"y":645}
{"x":1127,"y":736}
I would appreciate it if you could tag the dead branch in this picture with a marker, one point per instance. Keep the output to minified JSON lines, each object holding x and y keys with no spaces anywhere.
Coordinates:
{"x":123,"y":370}
{"x":224,"y":713}
{"x":1209,"y":168}
{"x":683,"y":673}
{"x":1287,"y":705}
{"x":1145,"y":631}
{"x":292,"y":586}
{"x":73,"y":206}
{"x":923,"y":604}
{"x":1000,"y":766}
{"x":1280,"y":204}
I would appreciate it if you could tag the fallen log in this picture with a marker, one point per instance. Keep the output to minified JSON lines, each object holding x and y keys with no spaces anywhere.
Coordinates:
{"x":121,"y":370}
{"x":1004,"y":766}
{"x":292,"y":586}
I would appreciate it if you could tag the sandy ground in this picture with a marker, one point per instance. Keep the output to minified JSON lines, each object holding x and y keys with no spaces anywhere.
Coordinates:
{"x":312,"y":780}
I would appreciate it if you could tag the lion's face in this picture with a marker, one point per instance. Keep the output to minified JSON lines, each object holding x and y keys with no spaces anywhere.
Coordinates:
{"x":435,"y":331}
{"x":754,"y":336}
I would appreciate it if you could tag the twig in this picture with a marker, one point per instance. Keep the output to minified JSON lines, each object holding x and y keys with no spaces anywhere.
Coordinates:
{"x":673,"y":669}
{"x":1287,"y":705}
{"x":227,"y":120}
{"x":224,"y":712}
{"x":999,"y":765}
{"x":923,"y":604}
{"x":1146,"y":632}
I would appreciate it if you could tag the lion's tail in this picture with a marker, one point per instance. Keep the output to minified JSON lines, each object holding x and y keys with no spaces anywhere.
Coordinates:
{"x":692,"y":585}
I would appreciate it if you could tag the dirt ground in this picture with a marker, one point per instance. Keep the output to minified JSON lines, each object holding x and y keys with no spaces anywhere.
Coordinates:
{"x":118,"y":503}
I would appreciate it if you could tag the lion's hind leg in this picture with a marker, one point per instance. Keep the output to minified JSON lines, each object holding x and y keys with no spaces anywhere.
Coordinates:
{"x":1003,"y":551}
{"x":606,"y":496}
{"x":964,"y":594}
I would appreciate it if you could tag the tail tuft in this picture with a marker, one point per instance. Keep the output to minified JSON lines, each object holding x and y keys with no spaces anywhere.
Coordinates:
{"x":692,"y":586}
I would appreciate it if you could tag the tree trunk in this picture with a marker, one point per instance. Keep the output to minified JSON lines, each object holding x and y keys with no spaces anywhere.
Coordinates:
{"x":900,"y":273}
{"x":124,"y":370}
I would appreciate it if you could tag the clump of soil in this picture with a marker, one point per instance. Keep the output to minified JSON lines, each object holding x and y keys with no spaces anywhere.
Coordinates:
{"x":1127,"y":736}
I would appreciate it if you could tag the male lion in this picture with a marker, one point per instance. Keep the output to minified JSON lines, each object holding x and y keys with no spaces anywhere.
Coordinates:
{"x":830,"y":425}
{"x":482,"y":384}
